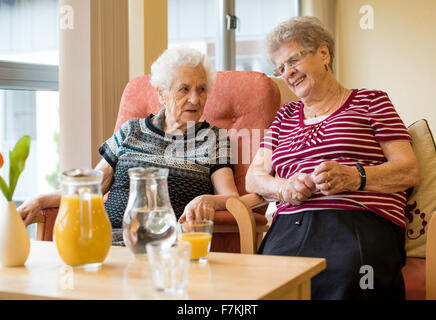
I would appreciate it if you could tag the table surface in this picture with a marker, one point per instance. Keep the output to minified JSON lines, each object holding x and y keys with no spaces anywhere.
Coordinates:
{"x":226,"y":276}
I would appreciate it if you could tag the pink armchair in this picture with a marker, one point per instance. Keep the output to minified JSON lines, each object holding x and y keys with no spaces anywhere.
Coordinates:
{"x":240,"y":100}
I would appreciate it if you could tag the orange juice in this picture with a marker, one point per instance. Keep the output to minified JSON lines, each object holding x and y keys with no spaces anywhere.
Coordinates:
{"x":82,"y":243}
{"x":200,"y":242}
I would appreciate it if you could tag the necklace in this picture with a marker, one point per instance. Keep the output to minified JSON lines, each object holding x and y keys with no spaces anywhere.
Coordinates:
{"x":315,"y":115}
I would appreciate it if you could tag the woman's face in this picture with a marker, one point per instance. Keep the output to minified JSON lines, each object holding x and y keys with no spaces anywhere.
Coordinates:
{"x":187,"y":95}
{"x":308,"y":72}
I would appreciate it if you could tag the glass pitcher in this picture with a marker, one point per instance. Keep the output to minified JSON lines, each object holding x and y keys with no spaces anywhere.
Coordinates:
{"x":82,"y":231}
{"x":149,"y":215}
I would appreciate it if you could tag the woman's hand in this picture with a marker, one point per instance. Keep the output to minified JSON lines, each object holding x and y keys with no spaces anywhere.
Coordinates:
{"x":298,"y":189}
{"x":200,"y":208}
{"x":29,"y":209}
{"x":331,"y":177}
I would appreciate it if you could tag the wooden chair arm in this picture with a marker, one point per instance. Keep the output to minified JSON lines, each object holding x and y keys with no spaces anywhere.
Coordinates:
{"x":252,"y":200}
{"x":240,"y":208}
{"x":430,"y":262}
{"x":45,"y":220}
{"x":38,"y":219}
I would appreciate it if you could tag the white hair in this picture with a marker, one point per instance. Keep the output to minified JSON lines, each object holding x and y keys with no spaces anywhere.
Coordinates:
{"x":164,"y":68}
{"x":308,"y":31}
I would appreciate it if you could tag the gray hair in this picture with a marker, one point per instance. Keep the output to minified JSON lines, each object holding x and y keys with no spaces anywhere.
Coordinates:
{"x":308,"y":31}
{"x":164,"y":68}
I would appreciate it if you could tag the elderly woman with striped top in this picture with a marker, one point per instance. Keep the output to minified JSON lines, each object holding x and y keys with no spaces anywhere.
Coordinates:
{"x":338,"y":162}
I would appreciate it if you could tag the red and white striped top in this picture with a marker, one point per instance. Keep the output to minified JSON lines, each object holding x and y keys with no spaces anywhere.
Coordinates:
{"x":349,"y":135}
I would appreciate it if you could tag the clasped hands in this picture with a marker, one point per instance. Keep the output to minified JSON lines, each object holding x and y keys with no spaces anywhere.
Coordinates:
{"x":328,"y":178}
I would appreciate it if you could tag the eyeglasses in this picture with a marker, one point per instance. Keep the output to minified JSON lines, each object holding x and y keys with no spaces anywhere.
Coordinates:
{"x":291,"y":62}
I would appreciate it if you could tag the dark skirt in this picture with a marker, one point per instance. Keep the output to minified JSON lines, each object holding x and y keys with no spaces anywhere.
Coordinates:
{"x":364,"y":252}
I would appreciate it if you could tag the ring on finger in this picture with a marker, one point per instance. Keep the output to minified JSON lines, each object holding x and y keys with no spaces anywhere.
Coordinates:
{"x":329,"y":185}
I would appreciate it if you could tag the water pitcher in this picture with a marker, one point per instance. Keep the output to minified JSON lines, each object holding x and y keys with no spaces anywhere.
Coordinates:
{"x":82,"y":231}
{"x":149,"y":215}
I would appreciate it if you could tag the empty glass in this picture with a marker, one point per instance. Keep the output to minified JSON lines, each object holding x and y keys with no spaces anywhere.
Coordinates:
{"x":169,"y":265}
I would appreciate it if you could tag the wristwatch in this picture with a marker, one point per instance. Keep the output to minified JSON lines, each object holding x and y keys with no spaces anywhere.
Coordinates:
{"x":362,"y":174}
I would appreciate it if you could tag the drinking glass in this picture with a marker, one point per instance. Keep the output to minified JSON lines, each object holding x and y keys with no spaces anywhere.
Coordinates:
{"x":169,"y":265}
{"x":199,"y":234}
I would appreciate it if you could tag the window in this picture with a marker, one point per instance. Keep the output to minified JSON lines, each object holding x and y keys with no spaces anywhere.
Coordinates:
{"x":193,"y":23}
{"x":33,"y":113}
{"x":256,"y":19}
{"x":196,"y":22}
{"x":28,"y":31}
{"x":29,"y":98}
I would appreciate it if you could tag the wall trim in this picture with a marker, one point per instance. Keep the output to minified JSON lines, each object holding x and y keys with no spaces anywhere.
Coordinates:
{"x":109,"y":67}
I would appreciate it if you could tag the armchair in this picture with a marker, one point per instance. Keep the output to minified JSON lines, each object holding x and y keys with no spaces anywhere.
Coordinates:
{"x":243,"y":102}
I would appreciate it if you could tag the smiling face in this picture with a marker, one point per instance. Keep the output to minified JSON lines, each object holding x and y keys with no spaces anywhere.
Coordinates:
{"x":308,"y":75}
{"x":186,"y":97}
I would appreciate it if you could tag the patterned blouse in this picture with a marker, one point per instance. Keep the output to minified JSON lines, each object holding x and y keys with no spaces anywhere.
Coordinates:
{"x":191,"y":159}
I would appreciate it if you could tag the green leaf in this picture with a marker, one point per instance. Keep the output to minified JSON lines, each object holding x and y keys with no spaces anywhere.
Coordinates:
{"x":17,"y":159}
{"x":4,"y":188}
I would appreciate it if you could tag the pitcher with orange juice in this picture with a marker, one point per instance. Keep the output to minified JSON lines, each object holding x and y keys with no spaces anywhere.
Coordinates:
{"x":82,"y":231}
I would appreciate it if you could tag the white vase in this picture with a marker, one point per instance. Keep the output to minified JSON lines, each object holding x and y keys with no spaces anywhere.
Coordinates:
{"x":14,"y":239}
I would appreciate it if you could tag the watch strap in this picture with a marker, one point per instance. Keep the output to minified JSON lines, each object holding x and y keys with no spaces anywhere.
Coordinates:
{"x":362,"y":174}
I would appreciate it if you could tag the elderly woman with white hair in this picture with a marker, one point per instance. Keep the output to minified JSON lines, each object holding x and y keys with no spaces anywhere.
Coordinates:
{"x":197,"y":187}
{"x":338,"y":162}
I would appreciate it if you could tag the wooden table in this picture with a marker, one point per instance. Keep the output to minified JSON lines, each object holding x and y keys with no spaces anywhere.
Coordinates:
{"x":225,"y":276}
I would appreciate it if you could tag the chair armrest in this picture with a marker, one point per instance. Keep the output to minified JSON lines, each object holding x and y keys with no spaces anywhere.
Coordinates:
{"x":45,"y":220}
{"x":252,"y":200}
{"x":38,"y":218}
{"x":430,"y":263}
{"x":240,"y":208}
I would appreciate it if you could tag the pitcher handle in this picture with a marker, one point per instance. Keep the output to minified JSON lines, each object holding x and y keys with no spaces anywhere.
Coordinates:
{"x":85,"y":219}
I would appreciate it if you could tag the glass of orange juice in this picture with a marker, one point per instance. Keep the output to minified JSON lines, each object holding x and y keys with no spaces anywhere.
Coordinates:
{"x":199,"y":234}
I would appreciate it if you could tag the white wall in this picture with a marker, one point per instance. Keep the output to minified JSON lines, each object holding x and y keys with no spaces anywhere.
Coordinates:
{"x":136,"y":38}
{"x":397,"y":56}
{"x":75,"y":89}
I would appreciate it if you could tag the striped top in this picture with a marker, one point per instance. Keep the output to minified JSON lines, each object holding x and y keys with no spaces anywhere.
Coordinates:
{"x":348,"y":136}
